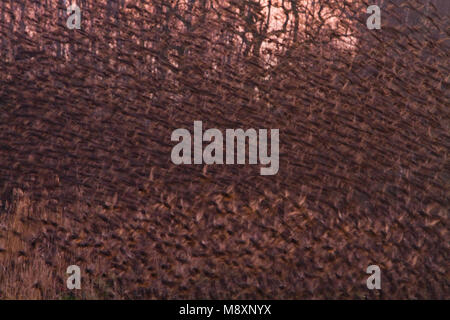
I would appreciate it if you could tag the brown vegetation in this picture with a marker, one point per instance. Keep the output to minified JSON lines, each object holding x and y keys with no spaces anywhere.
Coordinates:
{"x":86,"y":178}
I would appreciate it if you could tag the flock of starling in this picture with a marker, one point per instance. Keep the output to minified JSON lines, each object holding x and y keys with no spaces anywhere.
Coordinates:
{"x":86,"y":178}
